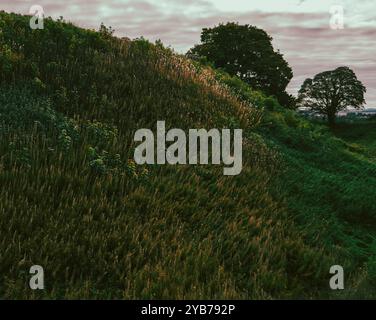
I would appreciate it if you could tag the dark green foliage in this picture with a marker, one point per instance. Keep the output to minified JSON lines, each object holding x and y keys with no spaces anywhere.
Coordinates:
{"x":332,"y":91}
{"x":247,"y":52}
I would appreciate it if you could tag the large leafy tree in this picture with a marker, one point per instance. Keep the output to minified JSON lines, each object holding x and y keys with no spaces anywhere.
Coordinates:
{"x":247,"y":52}
{"x":332,"y":91}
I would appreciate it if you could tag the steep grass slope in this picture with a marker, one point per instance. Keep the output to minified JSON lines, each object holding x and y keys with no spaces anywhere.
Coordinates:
{"x":73,"y":200}
{"x":329,"y":184}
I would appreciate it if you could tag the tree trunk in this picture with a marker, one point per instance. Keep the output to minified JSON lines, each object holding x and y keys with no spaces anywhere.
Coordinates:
{"x":332,"y":119}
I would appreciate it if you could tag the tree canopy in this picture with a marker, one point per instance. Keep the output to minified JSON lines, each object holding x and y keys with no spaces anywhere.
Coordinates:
{"x":247,"y":52}
{"x":332,"y":91}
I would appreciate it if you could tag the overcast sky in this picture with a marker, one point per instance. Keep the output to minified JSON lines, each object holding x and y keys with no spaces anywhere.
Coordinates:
{"x":300,"y":28}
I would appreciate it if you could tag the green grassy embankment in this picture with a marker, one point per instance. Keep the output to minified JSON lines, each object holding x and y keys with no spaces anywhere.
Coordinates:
{"x":73,"y":201}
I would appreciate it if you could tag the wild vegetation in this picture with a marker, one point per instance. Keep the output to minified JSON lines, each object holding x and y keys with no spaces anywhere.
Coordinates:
{"x":73,"y":200}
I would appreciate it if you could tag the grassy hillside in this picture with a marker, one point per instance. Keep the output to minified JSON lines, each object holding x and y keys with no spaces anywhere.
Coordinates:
{"x":329,"y":184}
{"x":73,"y":200}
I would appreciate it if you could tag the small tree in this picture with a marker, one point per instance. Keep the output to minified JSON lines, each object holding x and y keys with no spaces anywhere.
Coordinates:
{"x":332,"y":91}
{"x":247,"y":52}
